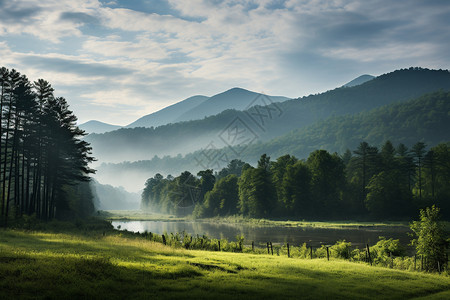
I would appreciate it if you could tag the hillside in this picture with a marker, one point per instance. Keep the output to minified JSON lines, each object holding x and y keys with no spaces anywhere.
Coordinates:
{"x":424,"y":119}
{"x":168,"y":114}
{"x":263,"y":123}
{"x":359,"y":80}
{"x":236,"y":98}
{"x":94,"y":126}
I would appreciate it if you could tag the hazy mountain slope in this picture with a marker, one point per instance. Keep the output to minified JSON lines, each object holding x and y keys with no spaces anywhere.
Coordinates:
{"x":236,"y":98}
{"x":424,"y":119}
{"x":389,"y":88}
{"x":109,"y":197}
{"x":265,"y":123}
{"x":94,"y":126}
{"x":359,"y":80}
{"x":168,"y":114}
{"x":129,"y":144}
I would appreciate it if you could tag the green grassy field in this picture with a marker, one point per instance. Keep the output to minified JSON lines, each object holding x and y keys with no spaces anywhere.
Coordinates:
{"x":87,"y":264}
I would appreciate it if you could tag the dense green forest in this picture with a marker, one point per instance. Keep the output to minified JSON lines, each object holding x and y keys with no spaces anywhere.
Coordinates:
{"x":423,"y":119}
{"x":366,"y":183}
{"x":43,"y":161}
{"x":271,"y":121}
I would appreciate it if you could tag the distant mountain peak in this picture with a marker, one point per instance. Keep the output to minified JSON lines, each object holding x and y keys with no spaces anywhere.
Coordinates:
{"x":359,"y":80}
{"x":94,"y":126}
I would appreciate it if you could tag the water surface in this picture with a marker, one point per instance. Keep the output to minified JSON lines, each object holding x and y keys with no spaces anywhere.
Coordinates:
{"x":275,"y":234}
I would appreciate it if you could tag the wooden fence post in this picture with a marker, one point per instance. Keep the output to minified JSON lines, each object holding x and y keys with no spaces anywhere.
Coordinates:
{"x":240,"y":246}
{"x":271,"y":247}
{"x":219,"y":245}
{"x":368,"y":254}
{"x":289,"y":254}
{"x":164,"y":239}
{"x":268,"y":250}
{"x":311,"y":252}
{"x":328,"y":254}
{"x":253,"y":246}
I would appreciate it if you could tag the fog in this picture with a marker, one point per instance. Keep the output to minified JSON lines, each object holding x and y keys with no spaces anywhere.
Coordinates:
{"x":108,"y":197}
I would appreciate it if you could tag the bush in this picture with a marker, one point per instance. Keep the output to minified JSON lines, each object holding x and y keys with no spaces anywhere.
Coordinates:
{"x":430,"y":241}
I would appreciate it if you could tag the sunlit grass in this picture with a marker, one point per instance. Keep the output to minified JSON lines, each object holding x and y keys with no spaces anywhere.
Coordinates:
{"x":60,"y":265}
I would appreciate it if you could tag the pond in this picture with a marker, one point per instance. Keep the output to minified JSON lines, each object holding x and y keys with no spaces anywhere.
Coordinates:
{"x":275,"y":234}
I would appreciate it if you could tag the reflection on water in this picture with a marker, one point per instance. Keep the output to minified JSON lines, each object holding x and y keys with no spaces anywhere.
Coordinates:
{"x":277,"y":235}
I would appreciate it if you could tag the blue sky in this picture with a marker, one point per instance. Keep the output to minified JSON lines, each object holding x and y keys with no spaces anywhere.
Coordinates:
{"x":116,"y":61}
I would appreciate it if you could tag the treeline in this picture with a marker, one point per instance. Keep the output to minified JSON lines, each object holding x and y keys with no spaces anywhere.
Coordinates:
{"x":43,"y":162}
{"x":366,"y":183}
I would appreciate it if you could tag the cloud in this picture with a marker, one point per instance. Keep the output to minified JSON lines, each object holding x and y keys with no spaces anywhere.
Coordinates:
{"x":78,"y":17}
{"x":62,"y":65}
{"x":102,"y":52}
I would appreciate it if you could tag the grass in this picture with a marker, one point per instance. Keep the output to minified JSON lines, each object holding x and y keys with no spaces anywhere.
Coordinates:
{"x":87,"y":264}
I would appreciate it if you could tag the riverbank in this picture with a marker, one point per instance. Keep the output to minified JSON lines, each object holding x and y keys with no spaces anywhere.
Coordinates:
{"x":138,"y":215}
{"x":97,"y":264}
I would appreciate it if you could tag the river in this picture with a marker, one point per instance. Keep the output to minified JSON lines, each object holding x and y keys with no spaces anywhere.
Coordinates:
{"x":275,"y":234}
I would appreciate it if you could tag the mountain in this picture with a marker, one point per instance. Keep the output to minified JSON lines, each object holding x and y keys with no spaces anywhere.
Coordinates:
{"x":423,"y":119}
{"x":198,"y":107}
{"x":169,"y":114}
{"x":261,"y":123}
{"x":359,"y":80}
{"x":94,"y":126}
{"x":235,"y":98}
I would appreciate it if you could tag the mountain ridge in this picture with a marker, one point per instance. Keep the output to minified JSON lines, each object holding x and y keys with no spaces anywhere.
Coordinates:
{"x":94,"y":126}
{"x":185,"y":137}
{"x":422,"y":119}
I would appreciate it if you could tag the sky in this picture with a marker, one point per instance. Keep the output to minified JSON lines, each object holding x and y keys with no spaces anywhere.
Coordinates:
{"x":115,"y":61}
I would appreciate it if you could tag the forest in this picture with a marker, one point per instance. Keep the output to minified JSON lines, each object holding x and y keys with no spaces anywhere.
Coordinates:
{"x":44,"y":162}
{"x":421,"y":119}
{"x":368,"y":183}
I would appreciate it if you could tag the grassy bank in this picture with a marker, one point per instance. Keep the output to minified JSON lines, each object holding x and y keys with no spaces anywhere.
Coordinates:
{"x":89,"y":264}
{"x":138,"y":215}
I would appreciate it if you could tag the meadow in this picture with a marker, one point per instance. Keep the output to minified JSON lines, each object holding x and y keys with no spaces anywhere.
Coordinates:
{"x":99,"y":263}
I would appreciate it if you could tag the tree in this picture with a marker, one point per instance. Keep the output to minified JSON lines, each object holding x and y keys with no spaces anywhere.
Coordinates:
{"x":222,"y":200}
{"x":207,"y":180}
{"x":327,"y":182}
{"x":296,"y":190}
{"x":436,"y":177}
{"x":430,"y":238}
{"x":366,"y":162}
{"x":151,"y":195}
{"x":405,"y":163}
{"x":387,"y":196}
{"x":233,"y":167}
{"x":257,"y":196}
{"x":278,"y":170}
{"x":41,"y":152}
{"x":419,"y":151}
